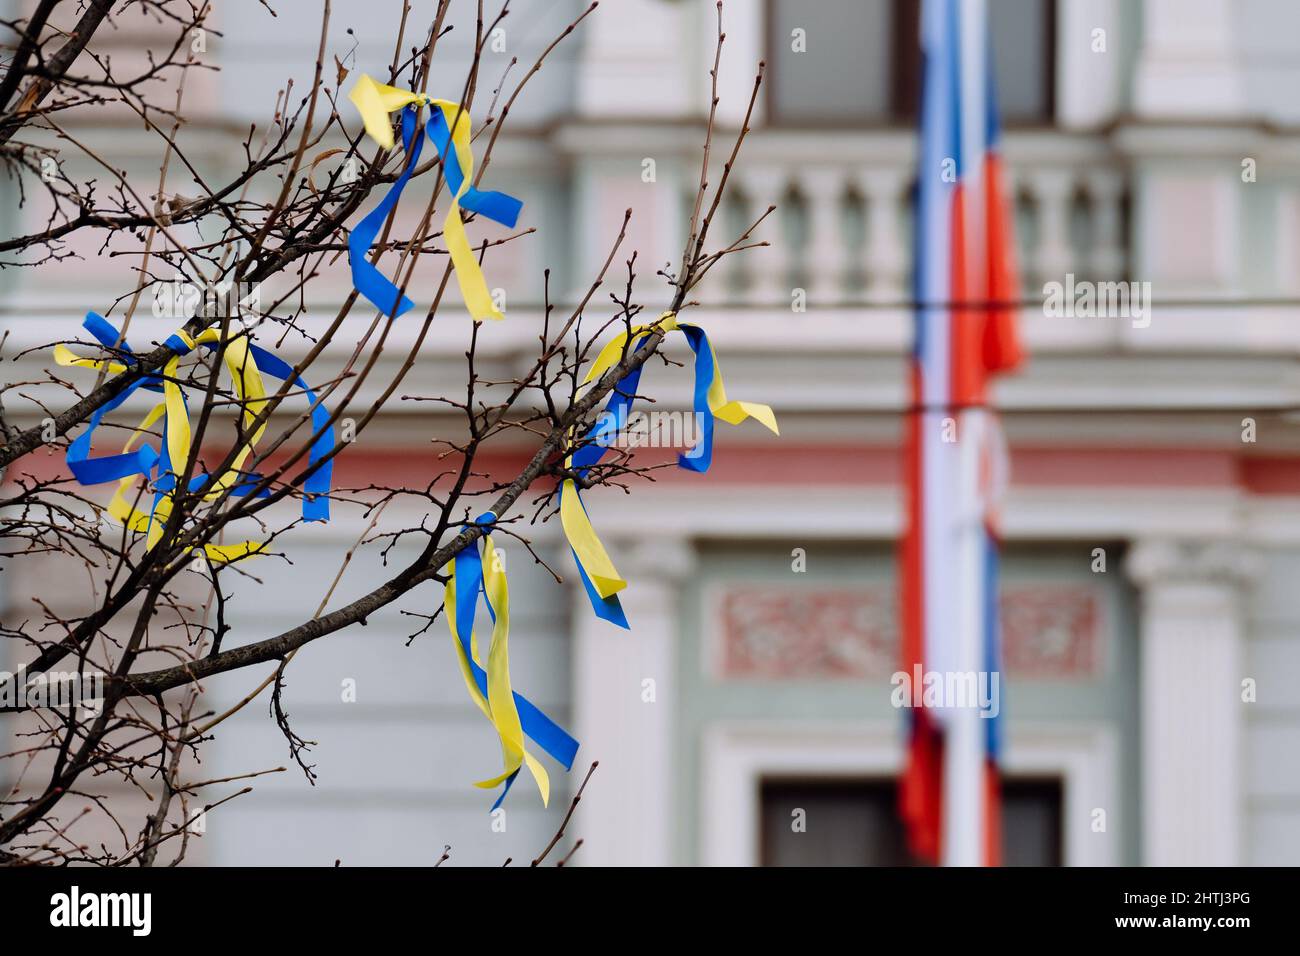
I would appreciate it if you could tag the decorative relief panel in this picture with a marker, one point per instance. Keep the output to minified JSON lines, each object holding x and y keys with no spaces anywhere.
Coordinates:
{"x":805,"y":634}
{"x":1051,"y":631}
{"x":774,"y":632}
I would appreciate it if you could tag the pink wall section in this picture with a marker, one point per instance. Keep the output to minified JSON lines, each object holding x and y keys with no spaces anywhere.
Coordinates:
{"x":784,"y":464}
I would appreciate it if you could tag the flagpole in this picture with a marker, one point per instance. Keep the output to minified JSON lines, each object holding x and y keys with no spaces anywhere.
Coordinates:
{"x":963,"y":768}
{"x":963,"y":772}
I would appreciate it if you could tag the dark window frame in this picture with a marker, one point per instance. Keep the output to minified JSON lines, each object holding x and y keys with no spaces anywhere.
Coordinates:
{"x":1023,"y":783}
{"x":905,"y":74}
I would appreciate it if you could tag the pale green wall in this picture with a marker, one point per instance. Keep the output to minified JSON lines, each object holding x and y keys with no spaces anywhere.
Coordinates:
{"x":1113,"y":698}
{"x":1272,"y":730}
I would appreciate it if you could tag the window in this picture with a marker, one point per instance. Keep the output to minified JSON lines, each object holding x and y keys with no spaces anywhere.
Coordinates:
{"x":861,"y":62}
{"x":855,"y":823}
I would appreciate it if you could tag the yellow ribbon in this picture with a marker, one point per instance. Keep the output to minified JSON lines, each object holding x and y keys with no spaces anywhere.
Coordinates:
{"x":582,"y":537}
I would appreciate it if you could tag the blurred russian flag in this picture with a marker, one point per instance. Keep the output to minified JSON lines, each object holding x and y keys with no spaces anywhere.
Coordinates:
{"x":964,"y":284}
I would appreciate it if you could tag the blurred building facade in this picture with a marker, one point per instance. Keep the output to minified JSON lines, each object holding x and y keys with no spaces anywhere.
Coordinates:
{"x":1152,"y":525}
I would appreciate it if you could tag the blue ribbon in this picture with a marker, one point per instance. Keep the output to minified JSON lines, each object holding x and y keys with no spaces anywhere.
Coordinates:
{"x":316,"y":504}
{"x":103,"y":330}
{"x":699,"y":458}
{"x":96,"y":471}
{"x":367,"y":279}
{"x":497,"y":206}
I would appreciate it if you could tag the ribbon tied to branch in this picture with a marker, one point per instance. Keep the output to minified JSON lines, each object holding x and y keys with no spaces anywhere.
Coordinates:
{"x":448,"y":128}
{"x":163,"y":468}
{"x":600,"y":578}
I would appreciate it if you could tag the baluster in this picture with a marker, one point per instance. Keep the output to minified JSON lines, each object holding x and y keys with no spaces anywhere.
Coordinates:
{"x":1053,"y":257}
{"x":1105,"y":190}
{"x":725,"y":281}
{"x":766,"y":270}
{"x":1012,"y":182}
{"x":885,"y":253}
{"x":713,"y":288}
{"x":824,"y":257}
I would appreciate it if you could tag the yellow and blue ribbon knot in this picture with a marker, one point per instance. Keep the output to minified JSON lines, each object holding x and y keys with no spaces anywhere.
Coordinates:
{"x":512,"y":715}
{"x":161,"y":468}
{"x":448,"y":128}
{"x":600,"y":579}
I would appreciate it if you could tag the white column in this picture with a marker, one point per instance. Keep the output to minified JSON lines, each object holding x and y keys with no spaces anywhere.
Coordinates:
{"x":1286,"y":251}
{"x":624,"y":688}
{"x":1188,"y":64}
{"x":742,"y":21}
{"x":1191,"y":638}
{"x":630,"y":62}
{"x":1090,"y":66}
